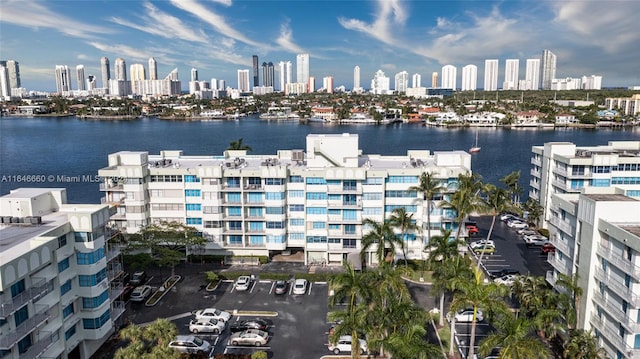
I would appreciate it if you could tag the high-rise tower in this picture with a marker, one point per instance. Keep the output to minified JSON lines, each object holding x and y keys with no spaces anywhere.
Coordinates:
{"x":153,"y":69}
{"x":512,"y":66}
{"x":194,"y":74}
{"x":302,"y":67}
{"x":120,"y":68}
{"x":548,"y":68}
{"x":256,"y":76}
{"x":80,"y":77}
{"x":532,"y":75}
{"x":137,"y":74}
{"x":416,"y":81}
{"x":449,"y":77}
{"x":284,"y":69}
{"x":268,"y":74}
{"x":491,"y":75}
{"x":469,"y":78}
{"x":356,"y":78}
{"x":401,"y":82}
{"x":14,"y":73}
{"x":63,"y":79}
{"x":105,"y":71}
{"x":243,"y":80}
{"x":434,"y":79}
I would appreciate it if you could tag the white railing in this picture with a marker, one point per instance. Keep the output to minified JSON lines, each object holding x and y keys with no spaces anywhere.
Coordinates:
{"x":9,"y":340}
{"x":46,"y":339}
{"x":618,"y":287}
{"x":37,"y":291}
{"x":561,"y":245}
{"x":618,"y":261}
{"x":562,"y":225}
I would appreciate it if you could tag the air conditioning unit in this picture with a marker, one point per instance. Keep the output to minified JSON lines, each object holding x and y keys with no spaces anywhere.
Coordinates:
{"x":297,"y":155}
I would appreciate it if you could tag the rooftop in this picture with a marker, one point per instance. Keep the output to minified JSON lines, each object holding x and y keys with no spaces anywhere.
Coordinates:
{"x":609,"y":197}
{"x":633,"y":229}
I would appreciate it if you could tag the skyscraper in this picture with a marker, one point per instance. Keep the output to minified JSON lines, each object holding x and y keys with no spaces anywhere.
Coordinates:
{"x":268,"y":74}
{"x":302,"y":68}
{"x":416,"y":81}
{"x":532,"y":75}
{"x":356,"y":78}
{"x":5,"y":88}
{"x":63,"y":79}
{"x":380,"y":83}
{"x":548,"y":68}
{"x":153,"y":69}
{"x":512,"y":66}
{"x":137,"y":74}
{"x":469,"y":78}
{"x":194,"y":74}
{"x":311,"y":86}
{"x":120,"y":68}
{"x":449,"y":77}
{"x":434,"y":79}
{"x":14,"y":74}
{"x":91,"y":83}
{"x":284,"y":69}
{"x":105,"y":71}
{"x":401,"y":82}
{"x":80,"y":77}
{"x":243,"y":80}
{"x":256,"y":76}
{"x":491,"y":75}
{"x":327,"y":84}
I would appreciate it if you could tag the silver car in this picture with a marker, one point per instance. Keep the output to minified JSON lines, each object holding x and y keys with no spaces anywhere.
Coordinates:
{"x":206,"y":326}
{"x":190,"y":344}
{"x":140,"y":293}
{"x":251,"y":337}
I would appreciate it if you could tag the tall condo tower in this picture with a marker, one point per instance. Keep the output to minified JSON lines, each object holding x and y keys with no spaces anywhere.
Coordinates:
{"x":302,"y":68}
{"x":153,"y":69}
{"x":416,"y":81}
{"x":327,"y":84}
{"x":14,"y":73}
{"x":401,"y":82}
{"x":256,"y":75}
{"x":491,"y":75}
{"x":284,"y":69}
{"x":91,"y":83}
{"x":449,"y":77}
{"x":105,"y":71}
{"x":268,"y":74}
{"x":548,"y":68}
{"x":532,"y":75}
{"x":356,"y":77}
{"x":469,"y":78}
{"x":5,"y":89}
{"x":137,"y":74}
{"x":63,"y":79}
{"x":243,"y":80}
{"x":194,"y":74}
{"x":80,"y":77}
{"x":511,"y":74}
{"x":120,"y":69}
{"x":434,"y":79}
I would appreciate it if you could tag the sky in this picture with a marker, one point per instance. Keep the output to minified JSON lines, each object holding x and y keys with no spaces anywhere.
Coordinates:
{"x":218,"y":37}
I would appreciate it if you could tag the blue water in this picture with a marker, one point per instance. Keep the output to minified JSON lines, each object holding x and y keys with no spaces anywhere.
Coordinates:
{"x":72,"y":147}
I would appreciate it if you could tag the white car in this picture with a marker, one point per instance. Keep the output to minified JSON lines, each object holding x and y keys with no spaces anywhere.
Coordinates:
{"x":482,"y":243}
{"x":344,"y":345}
{"x":517,"y":224}
{"x":508,"y":216}
{"x":140,"y":293}
{"x":212,"y":313}
{"x":526,"y":232}
{"x":190,"y":344}
{"x":536,"y":240}
{"x":466,"y":316}
{"x":300,"y":286}
{"x":206,"y":326}
{"x":243,"y":283}
{"x":506,"y":280}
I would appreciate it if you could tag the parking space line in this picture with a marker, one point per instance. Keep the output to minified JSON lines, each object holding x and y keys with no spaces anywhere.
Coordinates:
{"x":310,"y":286}
{"x":253,"y":286}
{"x":273,"y":284}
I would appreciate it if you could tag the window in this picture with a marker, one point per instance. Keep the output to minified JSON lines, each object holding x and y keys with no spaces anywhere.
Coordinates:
{"x":577,"y":170}
{"x":335,"y":212}
{"x":17,"y":288}
{"x":65,"y":287}
{"x":235,"y":240}
{"x":212,"y":224}
{"x":89,"y":258}
{"x":349,"y":229}
{"x":349,"y":200}
{"x":316,"y":180}
{"x":349,"y":185}
{"x":254,"y":181}
{"x":334,"y":226}
{"x":69,"y":333}
{"x":371,"y":211}
{"x":255,"y":211}
{"x":277,"y":196}
{"x":194,"y":221}
{"x":235,"y":225}
{"x":256,"y":226}
{"x":234,"y":197}
{"x":95,"y":302}
{"x":62,"y":241}
{"x":67,"y":311}
{"x":92,"y":280}
{"x":409,"y":208}
{"x":295,"y":179}
{"x":348,"y":243}
{"x":63,"y":264}
{"x":600,"y":182}
{"x":275,"y":210}
{"x":334,"y":197}
{"x":349,"y":214}
{"x":276,"y":239}
{"x":296,"y":236}
{"x":256,"y":240}
{"x":193,"y":206}
{"x":319,"y":225}
{"x":316,"y":196}
{"x":402,"y":179}
{"x":24,"y":344}
{"x":296,"y":207}
{"x":274,"y":181}
{"x":83,"y":237}
{"x":316,"y":210}
{"x":234,"y":211}
{"x":192,"y":192}
{"x":254,"y":197}
{"x":576,"y":184}
{"x":233,"y":182}
{"x":275,"y":225}
{"x":296,"y":194}
{"x":21,"y":315}
{"x":400,"y":194}
{"x":97,"y":323}
{"x":333,"y":182}
{"x":373,"y":181}
{"x":296,"y":222}
{"x":636,"y":344}
{"x":372,"y":196}
{"x":601,"y":169}
{"x":334,"y":240}
{"x":625,"y":180}
{"x":166,"y":178}
{"x":316,"y":239}
{"x":191,"y":179}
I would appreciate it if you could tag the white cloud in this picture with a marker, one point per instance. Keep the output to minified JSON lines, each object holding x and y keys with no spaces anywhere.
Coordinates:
{"x":216,"y":21}
{"x":82,"y":57}
{"x":162,"y":24}
{"x":391,"y":14}
{"x":124,"y":51}
{"x":285,"y":40}
{"x":35,"y":15}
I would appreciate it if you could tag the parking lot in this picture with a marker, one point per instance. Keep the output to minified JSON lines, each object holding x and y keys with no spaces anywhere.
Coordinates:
{"x":297,"y":323}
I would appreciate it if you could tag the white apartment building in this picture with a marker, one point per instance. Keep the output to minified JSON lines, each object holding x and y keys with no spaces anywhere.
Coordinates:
{"x":532,"y":75}
{"x":491,"y":75}
{"x":626,"y":105}
{"x":563,"y":167}
{"x":401,"y":82}
{"x":469,"y":78}
{"x":449,"y":77}
{"x":313,"y":201}
{"x":380,"y":84}
{"x":511,"y":70}
{"x":58,"y":290}
{"x":597,"y":237}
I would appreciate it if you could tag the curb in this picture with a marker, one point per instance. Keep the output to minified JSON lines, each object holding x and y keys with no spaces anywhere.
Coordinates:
{"x":164,"y":292}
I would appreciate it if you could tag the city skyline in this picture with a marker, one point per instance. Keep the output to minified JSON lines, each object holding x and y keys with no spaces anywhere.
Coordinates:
{"x":220,"y":37}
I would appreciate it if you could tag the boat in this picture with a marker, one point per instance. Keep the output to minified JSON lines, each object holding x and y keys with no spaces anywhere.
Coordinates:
{"x":317,"y":119}
{"x":475,"y":148}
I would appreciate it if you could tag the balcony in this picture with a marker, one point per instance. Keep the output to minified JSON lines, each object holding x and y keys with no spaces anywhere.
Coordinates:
{"x":612,"y":335}
{"x":535,"y":184}
{"x":115,"y":289}
{"x":117,"y":309}
{"x":105,"y":187}
{"x":614,"y":310}
{"x":536,"y":161}
{"x":276,"y":244}
{"x":45,"y":340}
{"x":561,"y":171}
{"x":561,"y":266}
{"x":561,"y":245}
{"x":560,"y":184}
{"x":618,"y":288}
{"x":562,"y":225}
{"x":535,"y":173}
{"x":114,"y":270}
{"x":551,"y":279}
{"x":37,"y":291}
{"x":113,"y":250}
{"x":619,"y":262}
{"x":9,"y":340}
{"x":253,"y":188}
{"x":344,"y":190}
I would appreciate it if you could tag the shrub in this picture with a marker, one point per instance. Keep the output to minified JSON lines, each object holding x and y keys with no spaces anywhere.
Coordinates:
{"x":259,"y":355}
{"x":544,"y":232}
{"x":212,"y":276}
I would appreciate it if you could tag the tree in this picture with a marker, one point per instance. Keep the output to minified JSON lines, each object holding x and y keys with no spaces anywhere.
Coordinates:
{"x":349,"y":285}
{"x":582,"y":345}
{"x":496,"y":202}
{"x":405,"y":222}
{"x":511,"y":181}
{"x":534,"y":210}
{"x":167,"y":241}
{"x":515,"y":338}
{"x":429,"y":187}
{"x":237,"y":145}
{"x":382,"y":235}
{"x":444,"y":272}
{"x":148,"y":342}
{"x":572,"y":292}
{"x":465,"y":199}
{"x":350,"y":322}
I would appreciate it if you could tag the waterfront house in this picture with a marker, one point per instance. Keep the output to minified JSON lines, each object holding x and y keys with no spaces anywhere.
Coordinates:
{"x":528,"y":119}
{"x":565,"y":119}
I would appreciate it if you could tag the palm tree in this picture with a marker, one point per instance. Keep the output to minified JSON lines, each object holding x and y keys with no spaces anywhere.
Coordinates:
{"x":349,"y":285}
{"x":350,"y":323}
{"x":515,"y":338}
{"x":465,"y":199}
{"x":151,"y":341}
{"x":573,"y":292}
{"x":511,"y":181}
{"x":534,"y":210}
{"x":496,"y":202}
{"x":532,"y":293}
{"x":582,"y":345}
{"x":238,"y":145}
{"x":444,"y":272}
{"x":382,"y":235}
{"x":405,"y":222}
{"x":429,"y":187}
{"x":475,"y":293}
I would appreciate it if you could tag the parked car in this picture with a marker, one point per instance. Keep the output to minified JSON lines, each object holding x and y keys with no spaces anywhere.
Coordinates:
{"x":517,"y":224}
{"x":300,"y":286}
{"x":503,"y":272}
{"x":138,"y":278}
{"x":472,"y":229}
{"x":548,"y":248}
{"x":280,"y":287}
{"x":242,"y":325}
{"x":506,"y":280}
{"x":487,"y":249}
{"x":482,"y":243}
{"x":526,"y":232}
{"x":509,"y":216}
{"x":190,"y":344}
{"x":249,"y":337}
{"x":210,"y":313}
{"x":535,"y":240}
{"x":206,"y":326}
{"x":140,"y":293}
{"x":466,"y":316}
{"x":243,"y":283}
{"x":344,"y":345}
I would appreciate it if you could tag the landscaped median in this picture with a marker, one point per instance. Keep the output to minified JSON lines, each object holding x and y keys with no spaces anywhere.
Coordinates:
{"x":164,"y":289}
